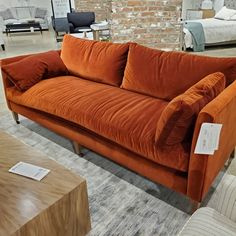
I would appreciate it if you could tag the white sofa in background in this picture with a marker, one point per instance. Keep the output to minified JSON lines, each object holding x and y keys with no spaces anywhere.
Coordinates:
{"x":220,"y":221}
{"x":24,"y":14}
{"x":2,"y":40}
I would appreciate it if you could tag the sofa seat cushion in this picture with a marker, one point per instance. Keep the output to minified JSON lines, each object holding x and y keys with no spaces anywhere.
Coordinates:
{"x":207,"y":221}
{"x":126,"y":118}
{"x":10,"y":21}
{"x":40,"y":20}
{"x":77,"y":29}
{"x":25,"y":20}
{"x":166,"y":75}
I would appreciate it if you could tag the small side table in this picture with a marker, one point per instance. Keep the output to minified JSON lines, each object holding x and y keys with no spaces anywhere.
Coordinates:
{"x":104,"y":26}
{"x":81,"y":35}
{"x":85,"y":31}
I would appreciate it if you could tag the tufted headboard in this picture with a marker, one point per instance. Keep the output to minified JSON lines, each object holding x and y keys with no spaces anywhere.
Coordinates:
{"x":230,"y":4}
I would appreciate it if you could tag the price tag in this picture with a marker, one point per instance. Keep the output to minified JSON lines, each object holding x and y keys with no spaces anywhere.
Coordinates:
{"x":29,"y":170}
{"x":208,"y":139}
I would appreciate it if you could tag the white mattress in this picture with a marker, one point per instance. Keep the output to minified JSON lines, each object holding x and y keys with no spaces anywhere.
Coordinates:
{"x":216,"y":31}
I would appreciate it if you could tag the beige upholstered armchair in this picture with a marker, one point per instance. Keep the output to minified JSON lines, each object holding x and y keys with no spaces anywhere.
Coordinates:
{"x":220,"y":221}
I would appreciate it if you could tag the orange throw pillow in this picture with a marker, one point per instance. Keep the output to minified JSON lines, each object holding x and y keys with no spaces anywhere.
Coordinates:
{"x":30,"y":70}
{"x":177,"y":120}
{"x":102,"y":62}
{"x":166,"y":75}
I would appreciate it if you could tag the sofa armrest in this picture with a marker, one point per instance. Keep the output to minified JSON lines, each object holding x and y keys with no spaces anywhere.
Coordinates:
{"x":226,"y":204}
{"x":204,"y":168}
{"x":6,"y":82}
{"x":71,"y":28}
{"x":2,"y":25}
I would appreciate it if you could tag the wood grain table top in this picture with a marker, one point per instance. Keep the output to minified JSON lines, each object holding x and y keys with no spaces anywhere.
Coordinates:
{"x":21,"y":198}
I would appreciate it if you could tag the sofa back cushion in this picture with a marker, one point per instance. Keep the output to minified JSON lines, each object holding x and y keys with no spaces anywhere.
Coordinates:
{"x":27,"y":72}
{"x":23,"y":12}
{"x":40,"y":13}
{"x":6,"y":14}
{"x":177,"y":120}
{"x":165,"y":75}
{"x":81,"y":19}
{"x":98,"y":61}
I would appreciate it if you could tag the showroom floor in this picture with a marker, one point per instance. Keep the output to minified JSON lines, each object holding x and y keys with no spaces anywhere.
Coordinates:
{"x":24,"y":43}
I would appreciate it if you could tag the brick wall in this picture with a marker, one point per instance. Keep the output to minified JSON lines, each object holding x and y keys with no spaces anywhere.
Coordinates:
{"x":102,"y":8}
{"x":153,"y":23}
{"x":149,"y":22}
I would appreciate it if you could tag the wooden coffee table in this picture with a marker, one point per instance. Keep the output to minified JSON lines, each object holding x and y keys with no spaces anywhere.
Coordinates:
{"x":57,"y":205}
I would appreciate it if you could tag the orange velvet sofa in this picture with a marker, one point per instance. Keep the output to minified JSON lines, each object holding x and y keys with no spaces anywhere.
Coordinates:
{"x":112,"y":99}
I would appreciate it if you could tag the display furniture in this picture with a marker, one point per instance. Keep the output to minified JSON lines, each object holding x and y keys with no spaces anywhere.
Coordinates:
{"x":56,"y":205}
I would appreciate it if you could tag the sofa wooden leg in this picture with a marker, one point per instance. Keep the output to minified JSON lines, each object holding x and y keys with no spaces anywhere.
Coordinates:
{"x":195,"y":205}
{"x":232,"y":155}
{"x":77,"y":148}
{"x":15,"y":117}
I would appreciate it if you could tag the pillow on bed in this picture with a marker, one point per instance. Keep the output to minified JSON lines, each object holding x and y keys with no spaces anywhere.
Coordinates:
{"x":225,"y":13}
{"x":233,"y":17}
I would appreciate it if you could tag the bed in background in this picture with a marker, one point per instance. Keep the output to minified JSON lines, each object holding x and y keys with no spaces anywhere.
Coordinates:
{"x":218,"y":31}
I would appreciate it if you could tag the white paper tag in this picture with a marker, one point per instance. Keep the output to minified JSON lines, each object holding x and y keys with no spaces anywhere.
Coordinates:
{"x":208,"y":139}
{"x":29,"y":170}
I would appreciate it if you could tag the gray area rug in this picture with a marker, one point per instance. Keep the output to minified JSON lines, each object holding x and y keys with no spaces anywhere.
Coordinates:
{"x":121,"y":202}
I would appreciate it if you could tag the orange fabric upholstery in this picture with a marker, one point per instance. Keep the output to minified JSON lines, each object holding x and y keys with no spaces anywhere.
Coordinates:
{"x":121,"y":124}
{"x":204,"y":168}
{"x":27,"y":72}
{"x":178,"y":118}
{"x":127,"y":118}
{"x":6,"y":82}
{"x":98,"y":61}
{"x":166,"y":75}
{"x":168,"y":177}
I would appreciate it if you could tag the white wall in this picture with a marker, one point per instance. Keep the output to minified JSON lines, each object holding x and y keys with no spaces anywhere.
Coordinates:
{"x":72,"y":3}
{"x":218,"y":4}
{"x":190,"y":4}
{"x":195,"y":4}
{"x":36,"y":3}
{"x":187,"y":4}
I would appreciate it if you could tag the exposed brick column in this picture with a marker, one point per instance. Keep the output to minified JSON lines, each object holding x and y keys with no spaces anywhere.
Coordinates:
{"x":153,"y":23}
{"x":102,"y":8}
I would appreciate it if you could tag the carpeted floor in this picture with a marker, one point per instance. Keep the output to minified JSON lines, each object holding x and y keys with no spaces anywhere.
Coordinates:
{"x":121,"y":202}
